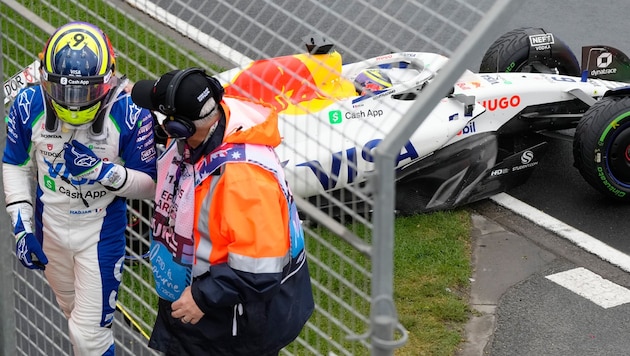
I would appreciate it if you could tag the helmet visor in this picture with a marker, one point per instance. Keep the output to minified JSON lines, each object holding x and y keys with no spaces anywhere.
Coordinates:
{"x":76,"y":91}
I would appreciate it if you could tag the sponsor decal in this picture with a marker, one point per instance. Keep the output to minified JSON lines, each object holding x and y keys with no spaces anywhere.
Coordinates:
{"x":75,"y":194}
{"x":364,"y":114}
{"x":24,"y":103}
{"x":501,"y":103}
{"x":468,"y":85}
{"x":491,"y":79}
{"x":58,"y":170}
{"x":98,"y":148}
{"x":132,"y":118}
{"x":527,"y":161}
{"x":494,"y":79}
{"x":498,"y":172}
{"x":148,"y":155}
{"x":72,"y":81}
{"x":610,"y":187}
{"x":542,"y":41}
{"x":596,"y":72}
{"x":149,"y":143}
{"x":83,"y":159}
{"x":50,"y":154}
{"x":141,"y":138}
{"x":387,"y":56}
{"x":603,"y":61}
{"x":203,"y":95}
{"x":453,"y":117}
{"x":374,"y":95}
{"x":335,"y":117}
{"x":49,"y":183}
{"x":351,"y":157}
{"x":146,"y":126}
{"x":468,"y":129}
{"x":12,"y":132}
{"x":563,"y":79}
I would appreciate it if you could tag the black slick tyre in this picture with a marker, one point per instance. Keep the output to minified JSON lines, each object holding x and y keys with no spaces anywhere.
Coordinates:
{"x":601,"y":147}
{"x":513,"y":52}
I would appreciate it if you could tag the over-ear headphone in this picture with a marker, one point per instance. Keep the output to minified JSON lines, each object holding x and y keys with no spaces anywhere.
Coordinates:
{"x":177,"y":125}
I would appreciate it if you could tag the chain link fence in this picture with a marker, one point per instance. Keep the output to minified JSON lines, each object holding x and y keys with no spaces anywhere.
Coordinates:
{"x":346,"y":194}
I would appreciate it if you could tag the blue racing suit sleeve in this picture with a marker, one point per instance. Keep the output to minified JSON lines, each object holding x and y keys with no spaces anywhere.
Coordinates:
{"x":137,"y":143}
{"x":23,"y":114}
{"x":136,"y":149}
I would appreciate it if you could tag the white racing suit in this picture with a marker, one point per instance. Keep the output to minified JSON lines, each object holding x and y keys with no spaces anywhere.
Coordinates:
{"x":80,"y":223}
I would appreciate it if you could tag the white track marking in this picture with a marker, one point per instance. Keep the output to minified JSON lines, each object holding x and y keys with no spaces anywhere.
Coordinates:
{"x":568,"y":232}
{"x":592,"y":287}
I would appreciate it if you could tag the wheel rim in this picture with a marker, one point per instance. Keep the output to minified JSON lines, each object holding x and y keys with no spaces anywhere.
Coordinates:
{"x":618,"y":157}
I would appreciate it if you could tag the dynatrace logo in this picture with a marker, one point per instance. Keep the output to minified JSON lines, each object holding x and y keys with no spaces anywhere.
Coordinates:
{"x":335,"y":117}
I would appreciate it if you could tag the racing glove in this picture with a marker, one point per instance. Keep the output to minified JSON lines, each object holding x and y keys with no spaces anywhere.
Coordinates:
{"x":29,"y":251}
{"x":83,"y":163}
{"x":27,"y":248}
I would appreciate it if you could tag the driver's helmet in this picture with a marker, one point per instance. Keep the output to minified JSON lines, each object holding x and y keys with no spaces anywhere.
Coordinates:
{"x":77,"y":71}
{"x":371,"y":80}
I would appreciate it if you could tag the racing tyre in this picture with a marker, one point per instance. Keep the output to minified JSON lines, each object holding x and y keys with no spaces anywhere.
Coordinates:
{"x":601,"y":147}
{"x":513,"y":52}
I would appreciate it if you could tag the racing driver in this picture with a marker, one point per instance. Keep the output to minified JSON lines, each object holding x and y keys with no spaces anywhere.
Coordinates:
{"x":92,"y":148}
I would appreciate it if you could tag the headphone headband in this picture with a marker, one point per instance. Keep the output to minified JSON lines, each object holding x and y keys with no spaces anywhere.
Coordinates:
{"x":174,"y":85}
{"x":178,"y":125}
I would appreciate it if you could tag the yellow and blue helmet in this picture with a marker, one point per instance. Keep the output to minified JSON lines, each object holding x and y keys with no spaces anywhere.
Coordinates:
{"x":77,"y":68}
{"x":372,"y":80}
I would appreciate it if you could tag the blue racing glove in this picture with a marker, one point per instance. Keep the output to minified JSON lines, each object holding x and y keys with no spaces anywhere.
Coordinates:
{"x":83,"y":163}
{"x":29,"y":251}
{"x":27,"y":248}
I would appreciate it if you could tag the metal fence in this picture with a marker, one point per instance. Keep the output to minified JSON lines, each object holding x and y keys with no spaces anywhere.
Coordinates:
{"x":349,"y":231}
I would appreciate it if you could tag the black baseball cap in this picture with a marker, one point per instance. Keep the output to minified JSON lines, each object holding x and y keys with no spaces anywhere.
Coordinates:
{"x":189,"y":96}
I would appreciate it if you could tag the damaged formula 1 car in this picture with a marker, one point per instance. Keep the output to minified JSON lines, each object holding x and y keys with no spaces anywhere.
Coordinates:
{"x":485,"y":137}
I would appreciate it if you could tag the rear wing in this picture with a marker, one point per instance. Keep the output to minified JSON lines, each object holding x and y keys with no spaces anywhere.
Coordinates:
{"x":28,"y":76}
{"x":605,"y":62}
